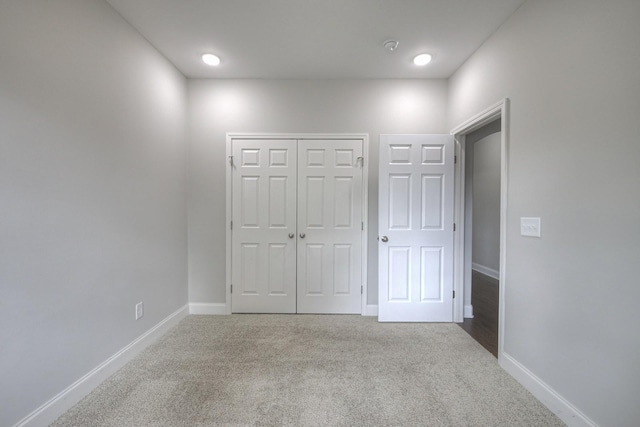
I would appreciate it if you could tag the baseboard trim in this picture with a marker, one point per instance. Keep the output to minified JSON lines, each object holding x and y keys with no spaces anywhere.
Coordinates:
{"x":370,"y":310}
{"x":468,"y":311}
{"x":486,"y":270}
{"x":63,"y":401}
{"x":221,"y":309}
{"x":207,"y":308}
{"x":557,"y":404}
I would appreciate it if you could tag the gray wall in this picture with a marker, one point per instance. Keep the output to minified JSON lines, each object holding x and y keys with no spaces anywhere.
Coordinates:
{"x":92,"y":186}
{"x":92,"y":193}
{"x":571,"y":71}
{"x":486,"y":202}
{"x":323,"y":106}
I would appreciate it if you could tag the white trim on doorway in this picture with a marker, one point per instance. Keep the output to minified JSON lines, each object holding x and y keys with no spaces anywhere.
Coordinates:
{"x":365,"y":310}
{"x":499,"y":110}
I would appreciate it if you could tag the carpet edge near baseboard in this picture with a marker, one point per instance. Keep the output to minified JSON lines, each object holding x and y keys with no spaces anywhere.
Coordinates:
{"x":550,"y":398}
{"x":67,"y":398}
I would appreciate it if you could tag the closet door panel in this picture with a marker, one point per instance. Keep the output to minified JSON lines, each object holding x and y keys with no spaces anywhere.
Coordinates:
{"x":263,"y":254}
{"x":330,"y":197}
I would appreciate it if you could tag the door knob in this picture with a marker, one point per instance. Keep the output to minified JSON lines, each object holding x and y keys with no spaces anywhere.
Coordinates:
{"x":291,"y":235}
{"x":302,"y":235}
{"x":385,"y":239}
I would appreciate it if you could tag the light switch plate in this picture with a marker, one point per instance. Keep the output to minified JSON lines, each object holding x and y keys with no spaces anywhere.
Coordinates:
{"x":530,"y":226}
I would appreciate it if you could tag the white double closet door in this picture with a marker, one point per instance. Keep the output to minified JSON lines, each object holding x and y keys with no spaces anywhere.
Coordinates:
{"x":297,"y":211}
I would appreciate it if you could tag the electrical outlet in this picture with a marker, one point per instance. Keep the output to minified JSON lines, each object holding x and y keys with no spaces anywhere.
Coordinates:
{"x":530,"y":227}
{"x":139,"y":310}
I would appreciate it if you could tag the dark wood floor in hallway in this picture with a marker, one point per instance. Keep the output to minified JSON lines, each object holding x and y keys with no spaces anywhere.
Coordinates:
{"x":483,"y":327}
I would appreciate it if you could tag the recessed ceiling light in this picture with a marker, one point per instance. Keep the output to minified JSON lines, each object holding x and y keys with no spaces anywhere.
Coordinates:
{"x":422,"y":59}
{"x":210,"y":59}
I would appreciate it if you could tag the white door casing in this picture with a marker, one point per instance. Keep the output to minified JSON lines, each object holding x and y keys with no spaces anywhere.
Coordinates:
{"x":330,"y":226}
{"x":264,"y":226}
{"x":416,"y":193}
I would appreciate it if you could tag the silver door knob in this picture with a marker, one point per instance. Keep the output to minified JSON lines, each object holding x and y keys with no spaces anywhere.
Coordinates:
{"x":291,"y":235}
{"x":302,"y":235}
{"x":385,"y":239}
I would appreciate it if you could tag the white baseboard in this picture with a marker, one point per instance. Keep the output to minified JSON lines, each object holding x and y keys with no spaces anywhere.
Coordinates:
{"x":370,"y":310}
{"x":63,"y":401}
{"x":486,"y":270}
{"x":221,"y":309}
{"x":557,"y":404}
{"x":468,"y":311}
{"x":207,"y":308}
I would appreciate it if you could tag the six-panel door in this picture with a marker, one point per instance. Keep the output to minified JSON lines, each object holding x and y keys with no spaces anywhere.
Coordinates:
{"x":329,"y":226}
{"x":264,"y":226}
{"x":416,"y":228}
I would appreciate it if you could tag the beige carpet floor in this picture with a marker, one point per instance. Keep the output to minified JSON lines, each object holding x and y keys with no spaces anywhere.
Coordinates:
{"x":308,"y":370}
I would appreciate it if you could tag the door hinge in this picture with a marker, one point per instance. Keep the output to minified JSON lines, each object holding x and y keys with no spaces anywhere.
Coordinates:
{"x":231,"y":160}
{"x":454,"y":226}
{"x":362,"y":226}
{"x":231,"y":289}
{"x":361,"y":289}
{"x":454,"y":294}
{"x":231,"y":225}
{"x":455,"y":160}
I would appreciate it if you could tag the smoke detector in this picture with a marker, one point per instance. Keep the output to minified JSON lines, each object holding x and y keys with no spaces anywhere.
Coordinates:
{"x":390,"y":45}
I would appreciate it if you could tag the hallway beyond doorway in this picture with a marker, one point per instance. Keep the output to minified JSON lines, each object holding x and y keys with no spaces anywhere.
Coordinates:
{"x":483,"y":327}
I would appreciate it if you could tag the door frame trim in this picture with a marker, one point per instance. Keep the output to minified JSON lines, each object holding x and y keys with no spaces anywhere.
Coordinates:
{"x":499,"y":110}
{"x":298,"y":136}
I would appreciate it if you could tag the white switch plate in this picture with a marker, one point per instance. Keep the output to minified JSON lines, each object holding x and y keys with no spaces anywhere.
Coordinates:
{"x":530,"y":226}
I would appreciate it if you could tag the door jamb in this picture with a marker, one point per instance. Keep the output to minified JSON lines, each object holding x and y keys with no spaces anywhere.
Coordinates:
{"x":500,"y":110}
{"x":298,"y":136}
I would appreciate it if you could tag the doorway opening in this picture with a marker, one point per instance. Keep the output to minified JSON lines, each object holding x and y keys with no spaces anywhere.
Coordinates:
{"x":482,"y":235}
{"x":479,"y":262}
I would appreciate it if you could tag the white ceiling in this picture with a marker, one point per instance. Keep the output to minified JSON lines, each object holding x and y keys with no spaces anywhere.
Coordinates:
{"x":320,"y":39}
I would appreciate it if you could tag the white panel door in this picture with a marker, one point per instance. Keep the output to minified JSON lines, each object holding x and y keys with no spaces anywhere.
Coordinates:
{"x":330,"y":200}
{"x":264,"y":226}
{"x":416,"y":228}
